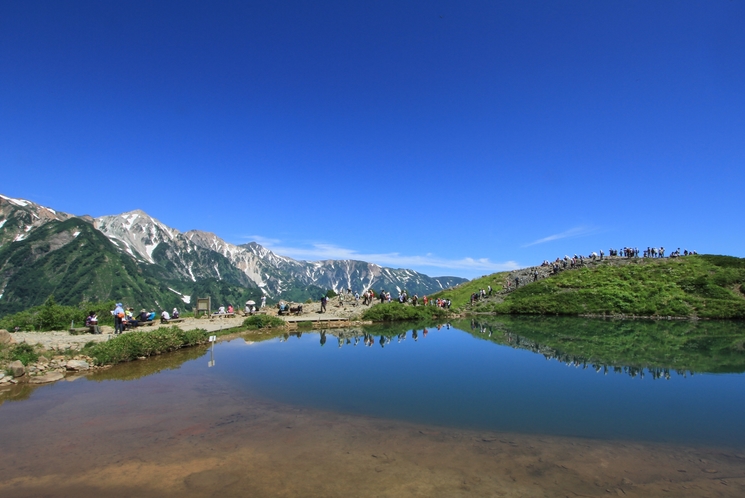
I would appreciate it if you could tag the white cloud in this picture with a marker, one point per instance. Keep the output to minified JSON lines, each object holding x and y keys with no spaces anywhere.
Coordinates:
{"x":572,"y":232}
{"x":264,"y":241}
{"x":322,"y":251}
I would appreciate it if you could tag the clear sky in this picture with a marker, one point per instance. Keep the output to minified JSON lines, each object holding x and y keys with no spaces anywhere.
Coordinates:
{"x":454,"y":138}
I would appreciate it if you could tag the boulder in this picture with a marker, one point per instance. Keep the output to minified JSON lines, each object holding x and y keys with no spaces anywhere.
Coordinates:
{"x":17,"y":368}
{"x":5,"y":337}
{"x":46,"y":378}
{"x":77,"y":365}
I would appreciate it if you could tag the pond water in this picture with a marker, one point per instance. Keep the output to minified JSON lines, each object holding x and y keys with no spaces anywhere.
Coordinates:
{"x":504,"y":407}
{"x":446,"y":376}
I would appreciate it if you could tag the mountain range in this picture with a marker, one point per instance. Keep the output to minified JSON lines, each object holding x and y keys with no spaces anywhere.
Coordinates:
{"x":135,"y":258}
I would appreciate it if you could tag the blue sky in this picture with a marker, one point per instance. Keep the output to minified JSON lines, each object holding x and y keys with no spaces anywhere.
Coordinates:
{"x":454,"y":138}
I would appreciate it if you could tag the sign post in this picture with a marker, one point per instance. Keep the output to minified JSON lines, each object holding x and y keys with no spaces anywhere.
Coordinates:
{"x":211,"y":363}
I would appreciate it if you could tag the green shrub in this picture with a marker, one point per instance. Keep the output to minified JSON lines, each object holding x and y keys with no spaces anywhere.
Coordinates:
{"x":394,"y":312}
{"x":263,"y":322}
{"x":132,"y":345}
{"x":25,"y":353}
{"x":52,"y":316}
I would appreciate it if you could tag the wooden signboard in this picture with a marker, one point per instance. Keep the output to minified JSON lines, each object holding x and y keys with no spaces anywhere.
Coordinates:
{"x":204,"y":304}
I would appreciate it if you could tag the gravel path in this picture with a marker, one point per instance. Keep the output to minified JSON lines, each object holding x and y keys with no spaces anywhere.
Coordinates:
{"x":63,"y":340}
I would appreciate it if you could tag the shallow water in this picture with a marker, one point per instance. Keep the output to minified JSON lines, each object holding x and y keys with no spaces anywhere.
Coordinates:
{"x":451,"y":413}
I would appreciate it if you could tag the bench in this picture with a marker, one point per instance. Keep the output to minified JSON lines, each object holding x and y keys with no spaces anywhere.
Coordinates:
{"x":223,"y":315}
{"x":287,"y":310}
{"x":89,"y":329}
{"x":137,"y":324}
{"x":172,"y":320}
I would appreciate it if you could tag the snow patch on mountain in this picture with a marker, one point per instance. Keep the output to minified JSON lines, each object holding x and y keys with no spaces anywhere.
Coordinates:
{"x":185,"y":299}
{"x":17,"y":202}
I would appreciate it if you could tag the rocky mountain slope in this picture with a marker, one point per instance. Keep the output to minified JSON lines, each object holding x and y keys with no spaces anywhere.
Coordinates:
{"x":140,"y":259}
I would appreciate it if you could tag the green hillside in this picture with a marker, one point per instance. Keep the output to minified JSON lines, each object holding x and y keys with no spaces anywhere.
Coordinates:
{"x":703,"y":286}
{"x":72,"y":261}
{"x":76,"y":263}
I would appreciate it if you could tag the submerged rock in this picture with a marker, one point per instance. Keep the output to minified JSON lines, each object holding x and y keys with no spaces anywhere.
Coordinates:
{"x":46,"y":378}
{"x":77,"y":365}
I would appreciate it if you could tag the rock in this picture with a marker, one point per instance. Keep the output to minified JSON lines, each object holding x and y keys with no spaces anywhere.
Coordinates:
{"x":77,"y":365}
{"x":5,"y":337}
{"x":43,"y":360}
{"x":46,"y":378}
{"x":17,"y":368}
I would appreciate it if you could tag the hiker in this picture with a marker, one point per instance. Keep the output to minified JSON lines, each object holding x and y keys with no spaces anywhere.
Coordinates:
{"x":323,"y":304}
{"x":92,"y":321}
{"x":263,"y":301}
{"x":129,"y":320}
{"x":230,"y":308}
{"x":143,"y":316}
{"x":164,"y":316}
{"x":174,"y":313}
{"x":118,"y":318}
{"x":517,"y":282}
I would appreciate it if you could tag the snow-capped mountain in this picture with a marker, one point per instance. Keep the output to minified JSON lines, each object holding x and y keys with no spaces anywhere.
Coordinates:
{"x":19,"y":217}
{"x":195,"y":258}
{"x":136,"y":233}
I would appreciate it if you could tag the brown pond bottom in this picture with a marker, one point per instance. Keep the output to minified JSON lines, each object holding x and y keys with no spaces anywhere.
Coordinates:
{"x":156,"y":438}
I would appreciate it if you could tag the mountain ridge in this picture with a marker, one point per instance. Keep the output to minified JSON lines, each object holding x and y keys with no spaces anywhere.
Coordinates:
{"x":174,"y":266}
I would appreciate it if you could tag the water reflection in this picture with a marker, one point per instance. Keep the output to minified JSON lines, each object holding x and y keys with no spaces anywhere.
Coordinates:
{"x":490,"y":374}
{"x":638,"y":348}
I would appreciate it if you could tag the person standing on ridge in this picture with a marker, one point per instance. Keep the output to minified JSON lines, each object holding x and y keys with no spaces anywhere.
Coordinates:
{"x":118,"y":317}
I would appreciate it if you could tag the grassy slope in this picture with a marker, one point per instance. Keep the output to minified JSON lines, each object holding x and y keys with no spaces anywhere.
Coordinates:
{"x":461,"y":295}
{"x":695,"y":286}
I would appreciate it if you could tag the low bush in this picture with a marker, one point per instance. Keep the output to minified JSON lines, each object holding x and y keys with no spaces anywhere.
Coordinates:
{"x":132,"y":345}
{"x":394,"y":312}
{"x":25,"y":353}
{"x":263,"y":322}
{"x":53,"y":316}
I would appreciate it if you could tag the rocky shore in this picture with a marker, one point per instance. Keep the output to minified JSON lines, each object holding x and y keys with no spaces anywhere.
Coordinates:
{"x":46,"y":370}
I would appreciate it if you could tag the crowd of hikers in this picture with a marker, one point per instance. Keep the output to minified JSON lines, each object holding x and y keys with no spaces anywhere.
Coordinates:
{"x":547,"y":268}
{"x":125,"y":319}
{"x":626,"y":252}
{"x":370,"y":296}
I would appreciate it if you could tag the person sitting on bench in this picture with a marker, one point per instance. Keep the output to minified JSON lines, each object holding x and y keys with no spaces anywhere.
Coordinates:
{"x":91,"y":321}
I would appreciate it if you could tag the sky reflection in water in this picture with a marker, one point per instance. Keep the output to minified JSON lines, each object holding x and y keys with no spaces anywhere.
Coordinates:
{"x":452,"y":378}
